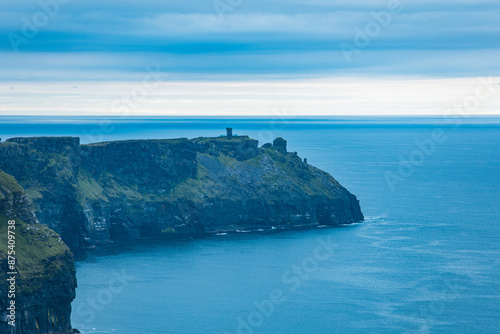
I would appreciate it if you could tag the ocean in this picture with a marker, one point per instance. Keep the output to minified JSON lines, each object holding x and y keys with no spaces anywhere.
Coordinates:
{"x":425,"y":260}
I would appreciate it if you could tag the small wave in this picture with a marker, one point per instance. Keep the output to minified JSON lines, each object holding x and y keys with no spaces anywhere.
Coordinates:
{"x":374,"y":219}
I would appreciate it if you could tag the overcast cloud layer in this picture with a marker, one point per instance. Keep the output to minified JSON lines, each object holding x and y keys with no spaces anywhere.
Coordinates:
{"x":114,"y":39}
{"x":77,"y":57}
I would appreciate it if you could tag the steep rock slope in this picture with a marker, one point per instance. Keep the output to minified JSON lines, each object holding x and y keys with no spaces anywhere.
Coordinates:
{"x":46,"y":278}
{"x":133,"y":189}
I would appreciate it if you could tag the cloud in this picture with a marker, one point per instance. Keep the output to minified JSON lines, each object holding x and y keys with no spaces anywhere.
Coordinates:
{"x":327,"y":96}
{"x":116,"y":40}
{"x":261,"y":55}
{"x":285,"y":63}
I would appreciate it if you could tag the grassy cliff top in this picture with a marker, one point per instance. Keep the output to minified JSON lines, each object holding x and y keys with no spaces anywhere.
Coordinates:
{"x":235,"y":139}
{"x":8,"y":184}
{"x":34,"y":245}
{"x":222,"y":139}
{"x":136,"y":173}
{"x":131,"y":141}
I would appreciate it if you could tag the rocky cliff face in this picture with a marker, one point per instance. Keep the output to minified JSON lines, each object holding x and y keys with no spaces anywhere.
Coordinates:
{"x":46,"y":281}
{"x":146,"y":188}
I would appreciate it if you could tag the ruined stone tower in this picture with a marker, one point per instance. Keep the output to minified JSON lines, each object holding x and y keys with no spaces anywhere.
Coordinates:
{"x":280,"y":145}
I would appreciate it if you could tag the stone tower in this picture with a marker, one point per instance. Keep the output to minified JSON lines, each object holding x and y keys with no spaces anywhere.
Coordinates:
{"x":229,"y":132}
{"x":280,"y":145}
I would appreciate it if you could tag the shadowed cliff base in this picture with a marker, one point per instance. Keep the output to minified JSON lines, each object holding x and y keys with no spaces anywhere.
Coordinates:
{"x":127,"y":190}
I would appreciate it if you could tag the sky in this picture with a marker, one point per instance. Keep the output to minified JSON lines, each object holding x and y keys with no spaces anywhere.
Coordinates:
{"x":249,"y":57}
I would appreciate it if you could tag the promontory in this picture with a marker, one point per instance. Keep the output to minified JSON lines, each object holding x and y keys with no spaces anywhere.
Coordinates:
{"x":119,"y":191}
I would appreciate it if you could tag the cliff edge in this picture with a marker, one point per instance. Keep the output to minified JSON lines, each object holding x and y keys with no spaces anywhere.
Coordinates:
{"x":45,"y":282}
{"x":127,"y":190}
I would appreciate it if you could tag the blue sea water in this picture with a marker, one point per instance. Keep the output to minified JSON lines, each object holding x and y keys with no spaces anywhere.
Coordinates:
{"x":426,"y":260}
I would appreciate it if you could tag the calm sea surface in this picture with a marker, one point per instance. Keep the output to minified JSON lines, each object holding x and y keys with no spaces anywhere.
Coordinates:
{"x":426,"y":260}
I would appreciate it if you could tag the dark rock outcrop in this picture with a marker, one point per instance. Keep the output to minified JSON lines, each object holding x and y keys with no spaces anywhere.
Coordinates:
{"x":46,"y":280}
{"x":127,"y":190}
{"x":280,"y":145}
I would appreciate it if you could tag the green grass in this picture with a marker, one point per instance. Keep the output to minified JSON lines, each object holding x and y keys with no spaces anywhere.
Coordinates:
{"x":190,"y":189}
{"x":222,"y":139}
{"x":255,"y":162}
{"x":88,"y":186}
{"x":118,"y":187}
{"x":168,"y":231}
{"x":8,"y":184}
{"x":226,"y":160}
{"x":161,"y":141}
{"x":39,"y":253}
{"x":299,"y":173}
{"x":105,"y":187}
{"x":59,"y":162}
{"x":33,"y":193}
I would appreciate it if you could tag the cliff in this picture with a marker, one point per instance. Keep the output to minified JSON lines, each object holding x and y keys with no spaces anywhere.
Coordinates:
{"x":126,"y":190}
{"x":46,"y":281}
